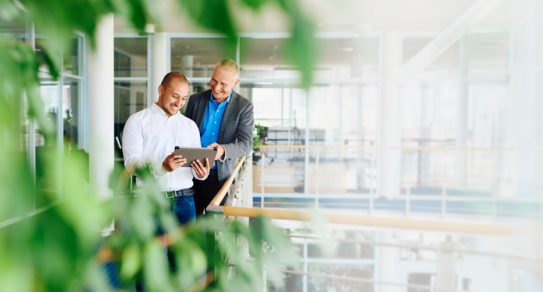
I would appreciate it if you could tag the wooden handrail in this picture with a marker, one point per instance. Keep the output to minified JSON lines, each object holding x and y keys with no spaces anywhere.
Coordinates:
{"x":319,"y":147}
{"x":383,"y":147}
{"x":222,"y":192}
{"x":398,"y":223}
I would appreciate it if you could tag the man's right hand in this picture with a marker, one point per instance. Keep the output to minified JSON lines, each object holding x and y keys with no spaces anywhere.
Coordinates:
{"x":173,"y":162}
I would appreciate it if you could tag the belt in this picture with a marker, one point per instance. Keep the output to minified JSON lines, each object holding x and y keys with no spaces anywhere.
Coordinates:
{"x":180,"y":193}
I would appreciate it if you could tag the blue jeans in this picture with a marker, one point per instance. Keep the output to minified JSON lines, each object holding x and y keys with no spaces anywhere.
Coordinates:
{"x":183,"y":208}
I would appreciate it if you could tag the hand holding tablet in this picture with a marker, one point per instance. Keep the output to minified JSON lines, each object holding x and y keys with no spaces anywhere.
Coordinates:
{"x":193,"y":154}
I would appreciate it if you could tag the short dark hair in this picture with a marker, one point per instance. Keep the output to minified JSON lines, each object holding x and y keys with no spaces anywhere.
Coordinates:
{"x":171,"y":76}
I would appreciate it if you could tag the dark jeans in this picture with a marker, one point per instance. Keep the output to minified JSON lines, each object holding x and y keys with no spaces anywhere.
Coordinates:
{"x":205,"y":191}
{"x":183,"y":208}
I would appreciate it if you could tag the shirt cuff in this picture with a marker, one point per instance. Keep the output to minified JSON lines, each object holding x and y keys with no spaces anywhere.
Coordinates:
{"x":223,"y":158}
{"x":157,"y":169}
{"x":196,"y":176}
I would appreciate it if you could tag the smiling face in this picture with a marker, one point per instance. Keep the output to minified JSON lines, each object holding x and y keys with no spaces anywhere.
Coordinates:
{"x":222,"y":82}
{"x":173,"y":97}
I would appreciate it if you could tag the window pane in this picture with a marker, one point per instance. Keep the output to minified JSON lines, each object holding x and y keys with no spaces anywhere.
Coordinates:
{"x":268,"y":103}
{"x":48,"y":162}
{"x":196,"y":57}
{"x":130,"y":57}
{"x":72,"y":119}
{"x":130,"y":97}
{"x":73,"y":58}
{"x":49,"y":95}
{"x":487,"y":53}
{"x":15,"y":27}
{"x":40,"y":51}
{"x":445,"y":66}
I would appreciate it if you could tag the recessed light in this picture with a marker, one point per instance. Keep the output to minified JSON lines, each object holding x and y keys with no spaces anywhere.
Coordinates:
{"x":345,"y":49}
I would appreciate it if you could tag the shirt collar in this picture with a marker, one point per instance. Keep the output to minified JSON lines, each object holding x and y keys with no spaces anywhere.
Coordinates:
{"x":227,"y":100}
{"x":158,"y":110}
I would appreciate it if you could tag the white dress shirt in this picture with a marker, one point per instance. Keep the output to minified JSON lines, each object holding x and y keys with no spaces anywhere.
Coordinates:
{"x":149,"y":136}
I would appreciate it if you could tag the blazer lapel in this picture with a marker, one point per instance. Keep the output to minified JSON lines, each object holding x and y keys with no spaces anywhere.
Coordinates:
{"x":202,"y":106}
{"x":227,"y":113}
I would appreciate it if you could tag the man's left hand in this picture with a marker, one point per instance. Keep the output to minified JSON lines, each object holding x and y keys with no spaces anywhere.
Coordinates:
{"x":199,"y":169}
{"x":220,"y":150}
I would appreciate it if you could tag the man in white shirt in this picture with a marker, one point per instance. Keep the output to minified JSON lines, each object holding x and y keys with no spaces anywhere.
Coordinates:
{"x":150,"y":136}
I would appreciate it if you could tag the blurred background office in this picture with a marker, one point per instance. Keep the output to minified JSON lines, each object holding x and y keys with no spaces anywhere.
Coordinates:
{"x":419,"y":109}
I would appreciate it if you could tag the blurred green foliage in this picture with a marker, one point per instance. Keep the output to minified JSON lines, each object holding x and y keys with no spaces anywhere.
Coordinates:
{"x":256,"y":138}
{"x":57,"y":250}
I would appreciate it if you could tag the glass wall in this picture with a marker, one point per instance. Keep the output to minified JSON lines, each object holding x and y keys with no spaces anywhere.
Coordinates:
{"x":340,"y":110}
{"x":132,"y":75}
{"x":459,"y":102}
{"x":64,"y":105}
{"x":455,"y":135}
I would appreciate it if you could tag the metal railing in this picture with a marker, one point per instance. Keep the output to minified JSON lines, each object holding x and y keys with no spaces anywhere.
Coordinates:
{"x":241,"y":189}
{"x":241,"y":194}
{"x":307,"y":176}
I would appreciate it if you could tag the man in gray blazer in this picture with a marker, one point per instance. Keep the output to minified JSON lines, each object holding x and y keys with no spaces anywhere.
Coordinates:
{"x":225,"y":120}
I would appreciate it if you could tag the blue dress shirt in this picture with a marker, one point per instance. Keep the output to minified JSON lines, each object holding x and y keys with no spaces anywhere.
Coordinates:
{"x":209,"y":133}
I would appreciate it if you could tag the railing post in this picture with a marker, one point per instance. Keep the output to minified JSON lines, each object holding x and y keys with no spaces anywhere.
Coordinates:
{"x":443,"y":202}
{"x":495,"y":189}
{"x":304,"y":278}
{"x":407,"y":201}
{"x":317,"y":180}
{"x":264,"y":279}
{"x":263,"y":159}
{"x":373,"y":183}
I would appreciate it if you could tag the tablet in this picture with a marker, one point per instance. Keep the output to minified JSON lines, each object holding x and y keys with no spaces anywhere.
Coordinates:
{"x":191,"y":154}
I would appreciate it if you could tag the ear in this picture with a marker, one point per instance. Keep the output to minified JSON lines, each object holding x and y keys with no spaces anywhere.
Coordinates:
{"x":160,"y":90}
{"x":236,"y":83}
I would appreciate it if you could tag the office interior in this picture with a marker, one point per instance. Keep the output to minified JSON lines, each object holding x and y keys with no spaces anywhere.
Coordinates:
{"x":426,"y":110}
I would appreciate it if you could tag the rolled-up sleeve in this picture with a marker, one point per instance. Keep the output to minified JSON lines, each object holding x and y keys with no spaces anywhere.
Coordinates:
{"x":133,"y":148}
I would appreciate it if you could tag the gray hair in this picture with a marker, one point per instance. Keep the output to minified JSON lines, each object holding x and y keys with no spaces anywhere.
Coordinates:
{"x":229,"y":65}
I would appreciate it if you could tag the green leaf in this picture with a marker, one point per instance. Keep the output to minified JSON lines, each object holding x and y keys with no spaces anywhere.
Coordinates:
{"x":214,"y":15}
{"x":131,"y":261}
{"x":155,"y":267}
{"x":301,"y":47}
{"x":255,"y":4}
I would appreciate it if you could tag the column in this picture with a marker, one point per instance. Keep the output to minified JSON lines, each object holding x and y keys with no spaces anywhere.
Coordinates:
{"x":101,"y":109}
{"x":462,"y":117}
{"x":446,"y":267}
{"x":386,"y":261}
{"x":389,"y":162}
{"x":527,"y":100}
{"x":159,"y":64}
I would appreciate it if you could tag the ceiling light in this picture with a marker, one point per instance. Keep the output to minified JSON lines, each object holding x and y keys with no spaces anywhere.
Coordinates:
{"x":345,"y":49}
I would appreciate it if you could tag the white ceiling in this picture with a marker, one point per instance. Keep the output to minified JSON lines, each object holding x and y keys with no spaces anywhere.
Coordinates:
{"x":342,"y":16}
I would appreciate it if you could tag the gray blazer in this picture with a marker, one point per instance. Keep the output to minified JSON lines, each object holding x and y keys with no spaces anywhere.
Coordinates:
{"x":236,"y":132}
